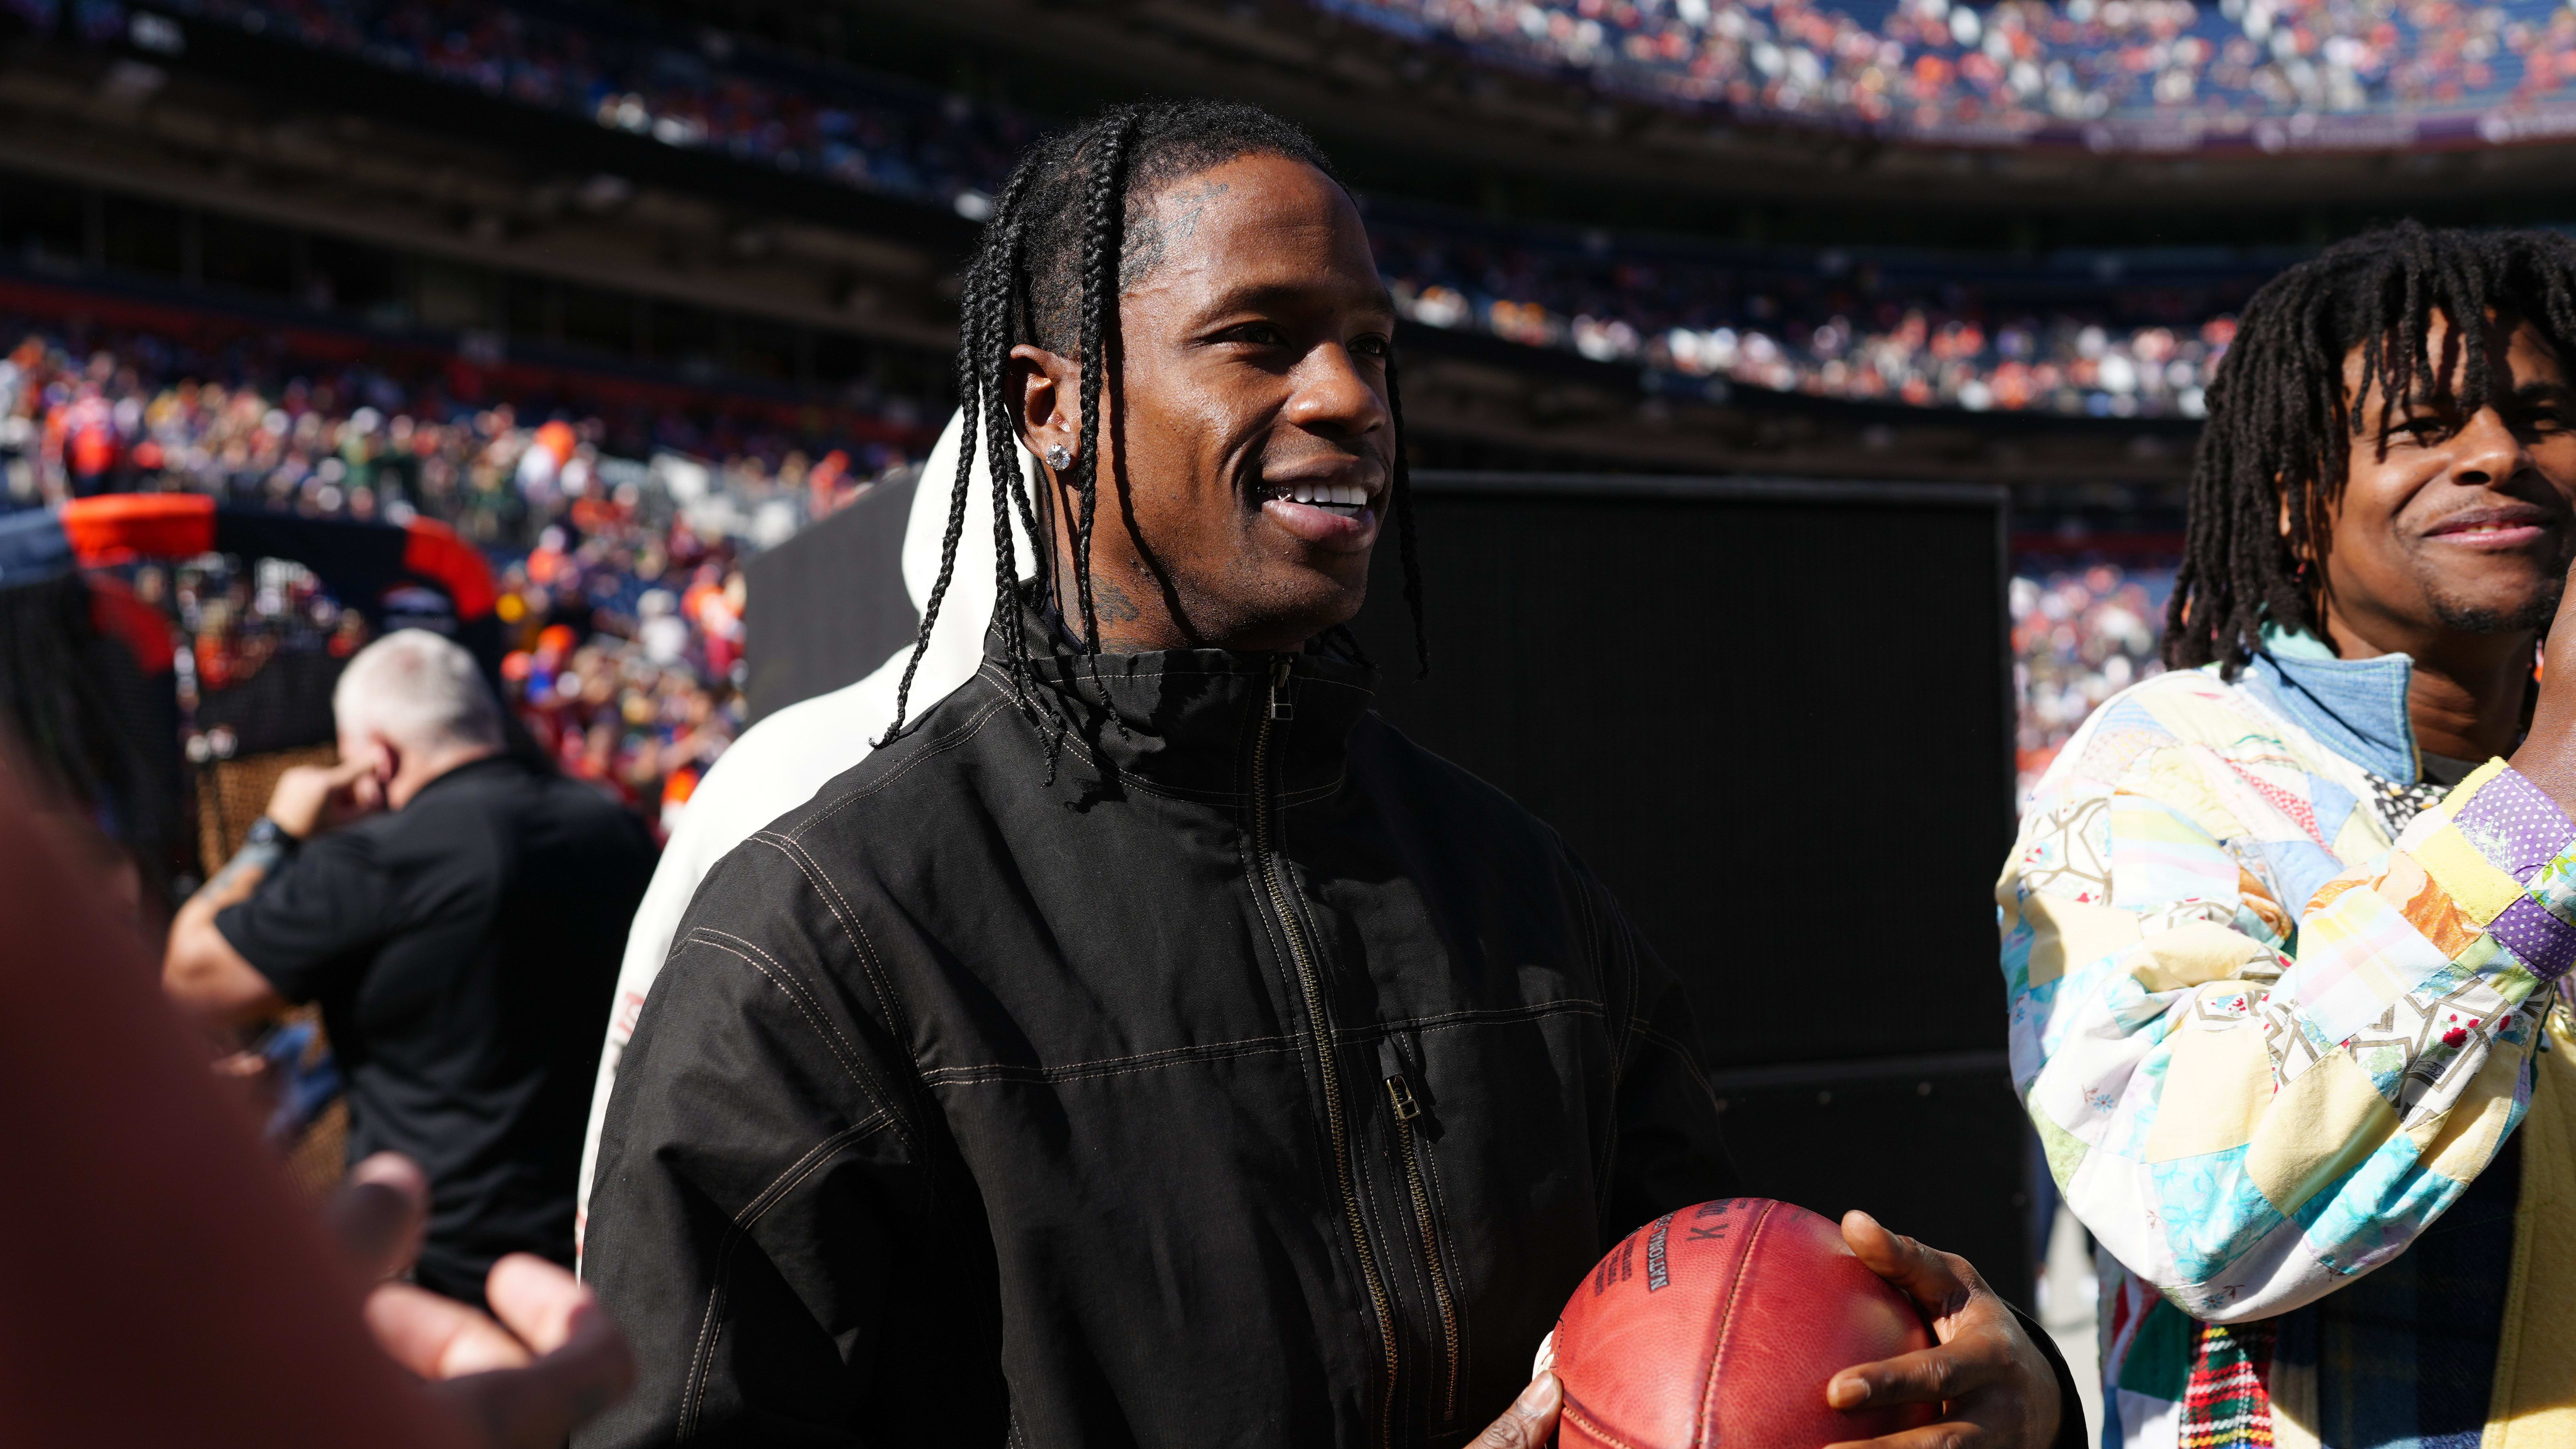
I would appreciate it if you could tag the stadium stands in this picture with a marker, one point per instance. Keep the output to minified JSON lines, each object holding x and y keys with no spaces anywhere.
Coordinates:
{"x":2098,"y":73}
{"x":2105,"y":335}
{"x":2081,"y":633}
{"x":621,"y":585}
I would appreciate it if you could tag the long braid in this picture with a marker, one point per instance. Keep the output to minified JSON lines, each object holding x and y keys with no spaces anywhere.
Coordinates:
{"x":2283,"y":422}
{"x":998,"y":307}
{"x":982,"y":322}
{"x":1104,"y":226}
{"x":969,"y":335}
{"x":1105,"y":212}
{"x":1399,"y":487}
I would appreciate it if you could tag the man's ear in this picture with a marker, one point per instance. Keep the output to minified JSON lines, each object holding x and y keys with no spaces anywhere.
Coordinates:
{"x":388,"y":760}
{"x":1045,"y":392}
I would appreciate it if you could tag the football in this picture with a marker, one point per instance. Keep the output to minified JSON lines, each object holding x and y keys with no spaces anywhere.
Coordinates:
{"x":1720,"y":1325}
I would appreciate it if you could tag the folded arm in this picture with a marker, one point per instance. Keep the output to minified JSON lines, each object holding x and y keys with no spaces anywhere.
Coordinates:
{"x":2250,"y":1099}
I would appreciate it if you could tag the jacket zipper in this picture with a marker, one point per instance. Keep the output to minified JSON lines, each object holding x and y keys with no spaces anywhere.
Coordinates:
{"x":1400,"y":1092}
{"x":1275,"y":884}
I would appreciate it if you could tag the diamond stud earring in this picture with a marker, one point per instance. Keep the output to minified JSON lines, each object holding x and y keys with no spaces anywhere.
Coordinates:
{"x":1058,"y":458}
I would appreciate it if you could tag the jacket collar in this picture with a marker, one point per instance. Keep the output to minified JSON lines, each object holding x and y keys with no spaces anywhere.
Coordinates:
{"x":2356,"y":707}
{"x":1187,"y":721}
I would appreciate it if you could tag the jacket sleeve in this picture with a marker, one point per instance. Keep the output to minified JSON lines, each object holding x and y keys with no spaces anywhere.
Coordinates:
{"x":2255,"y":1077}
{"x":1668,"y":1151}
{"x":757,"y":1201}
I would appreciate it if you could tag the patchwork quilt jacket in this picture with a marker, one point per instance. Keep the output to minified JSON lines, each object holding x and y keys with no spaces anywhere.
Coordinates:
{"x":2277,"y":1010}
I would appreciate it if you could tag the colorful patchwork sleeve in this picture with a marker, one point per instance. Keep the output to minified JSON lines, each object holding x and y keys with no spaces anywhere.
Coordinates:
{"x":2250,"y":1103}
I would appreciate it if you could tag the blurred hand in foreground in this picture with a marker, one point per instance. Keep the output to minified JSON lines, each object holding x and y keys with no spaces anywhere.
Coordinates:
{"x":522,"y":1377}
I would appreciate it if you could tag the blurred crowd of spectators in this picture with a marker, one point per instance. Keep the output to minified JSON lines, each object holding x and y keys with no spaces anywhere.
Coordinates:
{"x":614,"y":67}
{"x":621,"y":580}
{"x":1877,"y":331}
{"x":1934,"y":69}
{"x":2080,"y":634}
{"x":1901,"y":331}
{"x":1831,"y":324}
{"x":2110,"y":72}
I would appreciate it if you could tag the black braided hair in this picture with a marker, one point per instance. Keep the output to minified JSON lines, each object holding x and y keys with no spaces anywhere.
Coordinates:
{"x":2281,"y":428}
{"x":1049,"y":272}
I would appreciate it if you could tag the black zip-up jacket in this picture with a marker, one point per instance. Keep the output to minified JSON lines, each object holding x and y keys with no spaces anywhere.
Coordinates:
{"x":1264,"y":1079}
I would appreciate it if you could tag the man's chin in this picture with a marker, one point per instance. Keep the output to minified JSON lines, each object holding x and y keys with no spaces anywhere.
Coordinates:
{"x":1317,"y":600}
{"x":2526,"y":612}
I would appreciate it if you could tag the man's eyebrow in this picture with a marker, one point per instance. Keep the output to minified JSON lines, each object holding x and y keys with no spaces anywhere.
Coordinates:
{"x":1255,"y":296}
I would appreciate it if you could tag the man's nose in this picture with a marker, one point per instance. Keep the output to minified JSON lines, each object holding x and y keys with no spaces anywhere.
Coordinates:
{"x":1332,"y":397}
{"x":2490,"y":450}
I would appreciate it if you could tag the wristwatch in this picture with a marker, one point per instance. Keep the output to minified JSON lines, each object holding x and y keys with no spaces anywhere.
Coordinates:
{"x":267,"y":832}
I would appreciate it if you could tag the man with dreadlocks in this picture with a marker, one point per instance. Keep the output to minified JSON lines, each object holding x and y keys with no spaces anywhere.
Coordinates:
{"x":1147,"y":1044}
{"x":2286,"y":928}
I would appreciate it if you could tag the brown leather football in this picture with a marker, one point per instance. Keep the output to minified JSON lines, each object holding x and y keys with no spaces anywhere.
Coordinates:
{"x":1720,"y":1325}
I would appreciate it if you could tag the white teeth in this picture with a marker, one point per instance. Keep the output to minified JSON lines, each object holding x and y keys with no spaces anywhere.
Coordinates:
{"x":1327,"y":495}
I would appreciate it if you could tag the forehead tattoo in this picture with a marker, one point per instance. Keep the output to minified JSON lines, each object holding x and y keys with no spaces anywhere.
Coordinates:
{"x":1170,"y":221}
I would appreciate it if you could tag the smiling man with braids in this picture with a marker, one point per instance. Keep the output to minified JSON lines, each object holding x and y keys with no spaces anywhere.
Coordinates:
{"x":2285,"y":933}
{"x":1147,"y":1044}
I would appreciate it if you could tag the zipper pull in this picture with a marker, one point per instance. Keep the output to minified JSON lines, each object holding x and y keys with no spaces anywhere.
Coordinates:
{"x":1281,"y":707}
{"x":1400,"y":1093}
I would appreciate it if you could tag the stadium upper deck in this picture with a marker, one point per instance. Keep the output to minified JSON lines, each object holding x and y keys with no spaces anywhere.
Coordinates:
{"x":2271,"y":75}
{"x":2103,"y":334}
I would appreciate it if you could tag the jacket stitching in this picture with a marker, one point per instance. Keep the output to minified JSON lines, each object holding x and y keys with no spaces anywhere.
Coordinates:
{"x":702,"y":1355}
{"x":888,"y":1001}
{"x":940,"y":746}
{"x":985,"y":1072}
{"x":1106,"y":1067}
{"x":842,"y":1048}
{"x":1478,"y":1016}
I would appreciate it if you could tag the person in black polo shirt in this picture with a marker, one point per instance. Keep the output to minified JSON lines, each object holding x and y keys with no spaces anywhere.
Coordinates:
{"x":459,"y":915}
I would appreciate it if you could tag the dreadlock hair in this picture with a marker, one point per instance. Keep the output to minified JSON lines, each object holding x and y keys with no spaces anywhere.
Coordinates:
{"x":2278,"y":443}
{"x":1054,"y":260}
